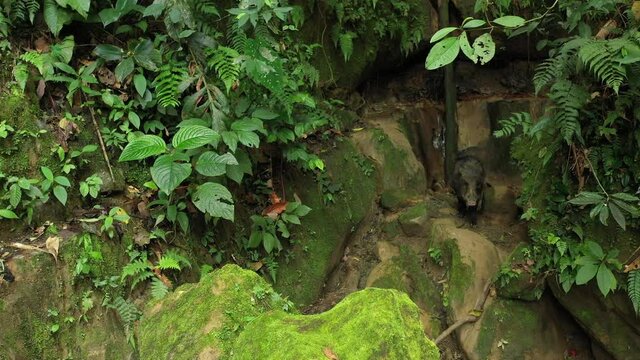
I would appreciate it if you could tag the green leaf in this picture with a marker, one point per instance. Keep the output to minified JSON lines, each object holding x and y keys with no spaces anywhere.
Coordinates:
{"x":212,"y":164}
{"x":168,"y":174}
{"x":269,"y":242}
{"x":606,"y":280}
{"x":84,"y":189}
{"x":7,"y":214}
{"x":109,"y":52}
{"x":587,"y":198}
{"x":60,"y":193}
{"x":625,"y":197}
{"x":484,"y":48}
{"x":124,"y":69}
{"x":147,"y":56}
{"x":215,"y":200}
{"x":143,"y":147}
{"x":474,"y":23}
{"x":617,"y":215}
{"x":302,"y":210}
{"x":154,"y":10}
{"x":248,"y":138}
{"x":55,"y":16}
{"x":194,"y":136}
{"x":247,"y":124}
{"x":291,"y":218}
{"x":230,"y":138}
{"x":604,"y":215}
{"x":62,"y":181}
{"x":466,"y":48}
{"x":140,"y":83}
{"x":264,"y":114}
{"x":586,"y":273}
{"x":47,"y":173}
{"x":443,"y":53}
{"x":80,"y":6}
{"x":183,"y":221}
{"x":134,"y":119}
{"x":509,"y":21}
{"x":15,"y":195}
{"x":440,"y":34}
{"x":595,"y":249}
{"x":236,"y":172}
{"x":254,"y":239}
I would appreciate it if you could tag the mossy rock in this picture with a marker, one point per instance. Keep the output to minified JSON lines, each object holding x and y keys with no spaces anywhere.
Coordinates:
{"x":524,"y":286}
{"x":233,"y":313}
{"x":328,"y":226}
{"x":368,"y":324}
{"x":414,"y":221}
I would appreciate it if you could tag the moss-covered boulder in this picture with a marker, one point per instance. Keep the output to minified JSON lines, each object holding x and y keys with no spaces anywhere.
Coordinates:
{"x":414,"y":221}
{"x":233,"y":313}
{"x":328,"y":226}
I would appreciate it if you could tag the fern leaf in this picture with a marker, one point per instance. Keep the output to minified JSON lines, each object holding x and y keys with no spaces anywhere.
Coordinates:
{"x":167,"y":263}
{"x":569,"y":98}
{"x":509,"y":126}
{"x":178,"y":257}
{"x":236,"y":37}
{"x":168,"y":82}
{"x":633,"y":289}
{"x":158,"y":289}
{"x":135,"y":268}
{"x":600,"y":57}
{"x":225,"y":61}
{"x":23,"y":10}
{"x":129,"y":314}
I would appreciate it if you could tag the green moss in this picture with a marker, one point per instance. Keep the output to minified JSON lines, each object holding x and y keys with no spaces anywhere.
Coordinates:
{"x":392,"y":199}
{"x":1,"y":305}
{"x":511,"y":321}
{"x":396,"y":162}
{"x":461,"y":274}
{"x":368,"y":324}
{"x":325,"y":229}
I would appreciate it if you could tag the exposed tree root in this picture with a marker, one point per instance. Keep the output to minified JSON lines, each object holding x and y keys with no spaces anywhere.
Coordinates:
{"x":474,"y":314}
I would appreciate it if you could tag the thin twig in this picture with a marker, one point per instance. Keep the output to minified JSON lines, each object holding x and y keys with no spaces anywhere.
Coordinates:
{"x":477,"y":309}
{"x":102,"y":147}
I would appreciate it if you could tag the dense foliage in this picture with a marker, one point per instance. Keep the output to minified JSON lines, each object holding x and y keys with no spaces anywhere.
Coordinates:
{"x":579,"y":159}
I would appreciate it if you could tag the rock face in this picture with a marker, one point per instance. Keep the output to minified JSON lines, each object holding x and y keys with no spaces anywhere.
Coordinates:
{"x":233,"y":313}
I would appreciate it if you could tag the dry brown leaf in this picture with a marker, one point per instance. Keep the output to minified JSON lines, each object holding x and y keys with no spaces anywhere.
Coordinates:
{"x":53,"y":244}
{"x":275,"y":199}
{"x":42,"y":45}
{"x":635,"y":10}
{"x":330,"y":354}
{"x":255,"y":266}
{"x":41,"y":87}
{"x":634,"y":265}
{"x":274,"y":210}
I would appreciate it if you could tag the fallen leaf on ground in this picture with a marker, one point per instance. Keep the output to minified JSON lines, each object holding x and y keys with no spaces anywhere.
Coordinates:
{"x":53,"y":244}
{"x":330,"y":354}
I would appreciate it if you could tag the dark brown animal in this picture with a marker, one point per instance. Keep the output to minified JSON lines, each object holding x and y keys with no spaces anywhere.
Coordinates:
{"x":468,"y":182}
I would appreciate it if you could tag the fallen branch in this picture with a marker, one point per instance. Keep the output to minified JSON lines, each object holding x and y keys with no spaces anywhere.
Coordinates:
{"x":102,"y":147}
{"x":474,"y":314}
{"x":606,"y":29}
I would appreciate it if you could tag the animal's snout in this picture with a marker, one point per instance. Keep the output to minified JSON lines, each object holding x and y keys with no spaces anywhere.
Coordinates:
{"x":472,"y":203}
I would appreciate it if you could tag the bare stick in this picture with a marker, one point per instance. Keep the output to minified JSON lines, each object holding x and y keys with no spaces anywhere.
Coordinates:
{"x":469,"y":319}
{"x":102,"y":147}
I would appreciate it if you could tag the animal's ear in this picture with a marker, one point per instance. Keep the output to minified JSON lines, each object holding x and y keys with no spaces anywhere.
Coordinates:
{"x":488,"y":184}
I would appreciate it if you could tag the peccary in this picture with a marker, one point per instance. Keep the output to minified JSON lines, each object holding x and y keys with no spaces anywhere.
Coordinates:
{"x":468,"y":183}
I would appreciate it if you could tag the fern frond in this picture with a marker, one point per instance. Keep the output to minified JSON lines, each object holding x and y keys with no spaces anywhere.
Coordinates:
{"x":167,"y":83}
{"x":569,"y":99}
{"x":633,"y":289}
{"x":236,"y":37}
{"x":129,"y":314}
{"x":168,"y":263}
{"x":23,"y":10}
{"x":601,"y":58}
{"x":225,"y":61}
{"x":34,"y":58}
{"x":183,"y":261}
{"x":509,"y":126}
{"x":158,"y":289}
{"x":139,"y":270}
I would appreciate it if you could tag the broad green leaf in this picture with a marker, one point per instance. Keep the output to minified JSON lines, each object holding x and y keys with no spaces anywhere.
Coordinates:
{"x":169,"y":174}
{"x":264,"y":114}
{"x":194,"y":136}
{"x":47,"y":173}
{"x":236,"y":172}
{"x":109,"y":52}
{"x":60,"y":193}
{"x":269,"y":242}
{"x":84,"y":189}
{"x":15,"y":195}
{"x":604,"y":215}
{"x":474,"y":23}
{"x":140,"y":83}
{"x":62,"y":181}
{"x":617,"y":215}
{"x":606,"y":280}
{"x":7,"y":214}
{"x":109,"y":16}
{"x":595,"y":249}
{"x":212,"y":164}
{"x":626,"y":207}
{"x":80,"y":6}
{"x":124,"y":69}
{"x":134,"y":119}
{"x":247,"y":124}
{"x":625,"y":197}
{"x":147,"y":56}
{"x":183,"y":221}
{"x":215,"y":200}
{"x":509,"y":21}
{"x":294,"y":219}
{"x":248,"y":138}
{"x":230,"y":139}
{"x":143,"y":147}
{"x":443,"y":53}
{"x":587,"y":198}
{"x":440,"y":34}
{"x":63,"y":51}
{"x":586,"y":273}
{"x":55,"y":16}
{"x":466,"y":48}
{"x":154,"y":10}
{"x":484,"y":48}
